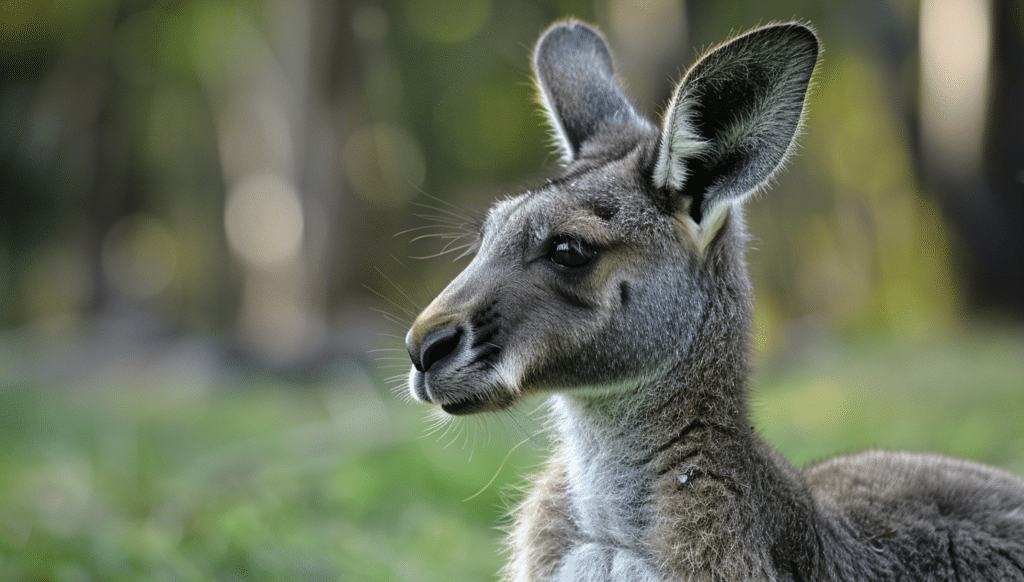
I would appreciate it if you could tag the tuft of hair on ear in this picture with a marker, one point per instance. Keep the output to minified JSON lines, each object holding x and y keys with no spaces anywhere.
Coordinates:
{"x":679,"y":142}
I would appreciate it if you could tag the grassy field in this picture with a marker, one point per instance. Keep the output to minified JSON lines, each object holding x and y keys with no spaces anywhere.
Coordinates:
{"x":150,"y":475}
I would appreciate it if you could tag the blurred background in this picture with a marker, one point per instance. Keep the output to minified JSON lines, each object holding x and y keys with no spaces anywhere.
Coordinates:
{"x":211,"y":220}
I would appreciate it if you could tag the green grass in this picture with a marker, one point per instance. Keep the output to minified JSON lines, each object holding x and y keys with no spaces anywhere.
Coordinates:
{"x":128,"y":478}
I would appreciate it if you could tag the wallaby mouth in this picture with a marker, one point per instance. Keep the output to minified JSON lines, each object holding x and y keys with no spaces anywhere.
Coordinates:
{"x":477,"y":403}
{"x":470,"y":406}
{"x":428,"y":388}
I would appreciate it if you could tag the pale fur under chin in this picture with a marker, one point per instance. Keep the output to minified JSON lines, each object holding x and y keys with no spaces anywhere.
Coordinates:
{"x":605,"y":493}
{"x":701,"y":235}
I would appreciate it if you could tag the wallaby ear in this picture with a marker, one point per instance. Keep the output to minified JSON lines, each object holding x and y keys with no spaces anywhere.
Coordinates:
{"x":574,"y":72}
{"x":734,"y":117}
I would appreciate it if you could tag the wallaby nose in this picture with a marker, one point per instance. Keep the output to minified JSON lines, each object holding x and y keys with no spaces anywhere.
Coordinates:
{"x":436,"y":347}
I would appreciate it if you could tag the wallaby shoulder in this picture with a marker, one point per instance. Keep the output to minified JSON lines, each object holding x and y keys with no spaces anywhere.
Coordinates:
{"x":926,"y":516}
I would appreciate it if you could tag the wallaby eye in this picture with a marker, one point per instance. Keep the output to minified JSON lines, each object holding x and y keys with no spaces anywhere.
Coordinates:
{"x":570,"y":252}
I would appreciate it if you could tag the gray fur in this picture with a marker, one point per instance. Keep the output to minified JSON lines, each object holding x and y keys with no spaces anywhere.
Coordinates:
{"x":640,"y":332}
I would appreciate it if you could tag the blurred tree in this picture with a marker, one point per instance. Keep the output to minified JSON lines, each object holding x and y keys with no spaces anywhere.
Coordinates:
{"x":979,"y":181}
{"x":238,"y":167}
{"x":107,"y":124}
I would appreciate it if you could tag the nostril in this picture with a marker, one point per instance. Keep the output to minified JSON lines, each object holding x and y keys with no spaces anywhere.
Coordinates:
{"x":438,"y":346}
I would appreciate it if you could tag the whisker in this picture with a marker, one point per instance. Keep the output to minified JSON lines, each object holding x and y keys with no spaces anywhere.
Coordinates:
{"x":399,"y":289}
{"x":459,"y":433}
{"x":390,"y":317}
{"x":469,"y":250}
{"x":455,"y":212}
{"x":446,"y":215}
{"x":451,"y":425}
{"x":415,"y":228}
{"x":472,"y":448}
{"x":431,"y":429}
{"x":406,"y":310}
{"x":446,"y":248}
{"x":396,"y":259}
{"x":444,"y":235}
{"x":439,"y":254}
{"x":500,"y":467}
{"x":393,"y":336}
{"x":436,"y":199}
{"x":443,"y":221}
{"x":389,"y":300}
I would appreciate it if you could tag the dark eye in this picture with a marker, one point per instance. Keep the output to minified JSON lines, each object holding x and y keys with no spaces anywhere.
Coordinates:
{"x":570,"y":252}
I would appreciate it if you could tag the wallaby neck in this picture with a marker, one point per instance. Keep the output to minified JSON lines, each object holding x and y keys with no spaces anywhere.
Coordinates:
{"x":643,"y":461}
{"x":689,"y":469}
{"x":613,"y":464}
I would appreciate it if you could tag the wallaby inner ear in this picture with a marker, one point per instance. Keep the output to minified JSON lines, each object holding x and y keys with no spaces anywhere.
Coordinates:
{"x":574,"y":71}
{"x":734,"y":117}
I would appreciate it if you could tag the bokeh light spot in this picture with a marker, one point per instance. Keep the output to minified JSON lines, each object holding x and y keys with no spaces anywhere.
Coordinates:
{"x":139,"y":255}
{"x":264,"y":222}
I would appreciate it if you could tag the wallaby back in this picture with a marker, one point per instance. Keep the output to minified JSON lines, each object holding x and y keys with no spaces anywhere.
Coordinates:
{"x":619,"y":287}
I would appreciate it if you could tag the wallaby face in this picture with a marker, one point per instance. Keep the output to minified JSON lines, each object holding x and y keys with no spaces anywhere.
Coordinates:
{"x":571,"y":281}
{"x":561,"y":295}
{"x":620,"y":288}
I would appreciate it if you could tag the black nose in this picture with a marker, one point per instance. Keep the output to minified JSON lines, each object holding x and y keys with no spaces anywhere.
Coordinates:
{"x":436,"y":347}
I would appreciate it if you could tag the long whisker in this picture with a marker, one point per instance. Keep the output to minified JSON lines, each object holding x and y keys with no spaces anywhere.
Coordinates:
{"x":451,"y":242}
{"x":399,"y":289}
{"x":415,"y":228}
{"x":500,"y":467}
{"x":389,"y":317}
{"x":396,"y":259}
{"x":455,"y":211}
{"x":444,"y":235}
{"x":444,"y":252}
{"x":405,"y":310}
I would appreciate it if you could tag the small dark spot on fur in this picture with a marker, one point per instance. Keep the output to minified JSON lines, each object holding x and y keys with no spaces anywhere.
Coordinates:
{"x":605,"y":209}
{"x":624,"y":293}
{"x":877,"y":542}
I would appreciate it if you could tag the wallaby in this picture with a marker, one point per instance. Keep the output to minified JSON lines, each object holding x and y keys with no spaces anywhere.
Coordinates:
{"x":620,"y":288}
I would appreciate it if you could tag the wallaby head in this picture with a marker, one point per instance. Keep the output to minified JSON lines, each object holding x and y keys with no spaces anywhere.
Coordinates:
{"x":600,"y":281}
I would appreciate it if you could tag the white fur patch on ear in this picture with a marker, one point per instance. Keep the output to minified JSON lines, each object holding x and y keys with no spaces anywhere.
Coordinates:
{"x":712,"y":222}
{"x":702,"y":234}
{"x":679,"y":142}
